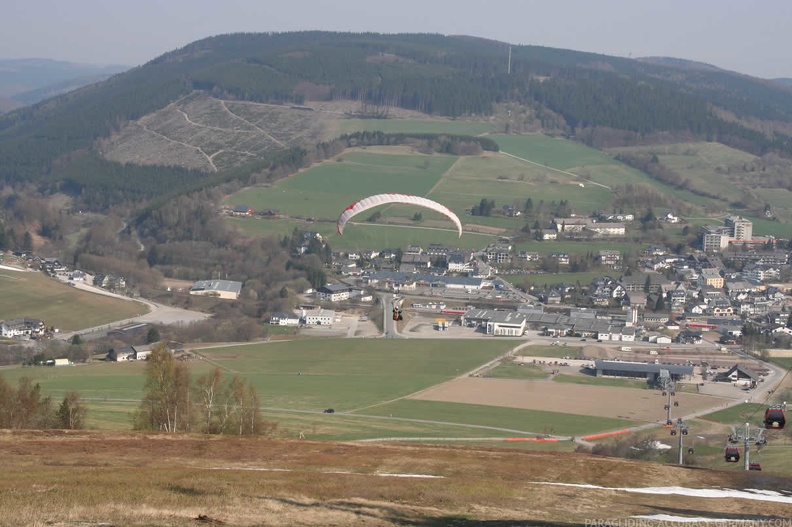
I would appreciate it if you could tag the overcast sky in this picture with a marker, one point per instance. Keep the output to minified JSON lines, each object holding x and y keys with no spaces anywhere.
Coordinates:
{"x":753,"y":37}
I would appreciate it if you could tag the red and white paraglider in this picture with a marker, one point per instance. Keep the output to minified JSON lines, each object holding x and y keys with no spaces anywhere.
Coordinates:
{"x":383,"y":199}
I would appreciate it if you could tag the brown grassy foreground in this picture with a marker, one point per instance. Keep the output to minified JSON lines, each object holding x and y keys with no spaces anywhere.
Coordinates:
{"x":102,"y":478}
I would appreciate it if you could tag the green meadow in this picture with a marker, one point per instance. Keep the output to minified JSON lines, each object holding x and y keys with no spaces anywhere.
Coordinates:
{"x":35,"y":295}
{"x":297,"y":380}
{"x":350,"y":373}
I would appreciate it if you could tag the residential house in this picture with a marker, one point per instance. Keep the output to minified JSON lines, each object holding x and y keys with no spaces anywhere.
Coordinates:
{"x":282,"y":318}
{"x":241,"y":210}
{"x":689,"y":337}
{"x":548,"y":234}
{"x":528,"y":256}
{"x":21,"y":327}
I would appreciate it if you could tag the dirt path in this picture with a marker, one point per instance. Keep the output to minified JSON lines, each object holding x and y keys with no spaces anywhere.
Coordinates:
{"x":267,"y":134}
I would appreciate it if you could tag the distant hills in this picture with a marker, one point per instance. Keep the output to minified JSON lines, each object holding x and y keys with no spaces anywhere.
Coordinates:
{"x":600,"y":100}
{"x":27,"y":81}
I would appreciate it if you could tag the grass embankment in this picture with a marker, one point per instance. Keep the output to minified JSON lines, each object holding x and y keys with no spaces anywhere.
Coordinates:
{"x":518,"y":420}
{"x":600,"y":381}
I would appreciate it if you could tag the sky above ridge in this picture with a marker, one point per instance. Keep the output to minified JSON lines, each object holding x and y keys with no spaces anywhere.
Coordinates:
{"x":748,"y":37}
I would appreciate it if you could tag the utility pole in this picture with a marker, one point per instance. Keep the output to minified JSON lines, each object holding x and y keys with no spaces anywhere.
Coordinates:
{"x":679,"y":429}
{"x":748,"y":435}
{"x":669,"y":388}
{"x":509,"y":69}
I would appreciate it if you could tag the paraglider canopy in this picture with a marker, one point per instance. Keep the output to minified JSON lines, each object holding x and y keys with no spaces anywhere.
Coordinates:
{"x":383,"y":199}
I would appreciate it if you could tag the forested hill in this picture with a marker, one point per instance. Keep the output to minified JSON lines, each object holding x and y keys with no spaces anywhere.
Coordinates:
{"x":573,"y":92}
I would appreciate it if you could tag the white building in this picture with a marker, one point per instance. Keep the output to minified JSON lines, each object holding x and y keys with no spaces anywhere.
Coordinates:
{"x":319,"y":317}
{"x":506,"y":323}
{"x":741,"y":229}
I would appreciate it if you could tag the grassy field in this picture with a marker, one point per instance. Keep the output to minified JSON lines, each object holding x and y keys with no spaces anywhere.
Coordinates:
{"x":301,"y":375}
{"x":512,"y":370}
{"x":740,"y":414}
{"x":509,"y":181}
{"x":599,"y":381}
{"x":35,"y":295}
{"x":349,"y":373}
{"x":296,"y":380}
{"x":528,"y":421}
{"x":325,"y":190}
{"x":704,"y":165}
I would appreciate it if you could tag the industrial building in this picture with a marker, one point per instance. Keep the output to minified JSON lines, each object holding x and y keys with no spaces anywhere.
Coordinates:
{"x":227,"y":289}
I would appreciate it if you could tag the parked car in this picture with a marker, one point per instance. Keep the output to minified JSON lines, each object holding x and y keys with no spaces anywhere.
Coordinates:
{"x":329,"y":411}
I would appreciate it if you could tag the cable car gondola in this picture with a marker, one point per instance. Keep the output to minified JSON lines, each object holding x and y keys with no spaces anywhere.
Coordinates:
{"x":775,"y":418}
{"x":732,"y":455}
{"x":754,"y":466}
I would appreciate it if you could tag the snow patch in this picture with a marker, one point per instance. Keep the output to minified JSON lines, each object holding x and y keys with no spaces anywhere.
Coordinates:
{"x":687,"y":519}
{"x":339,"y":472}
{"x":747,"y":494}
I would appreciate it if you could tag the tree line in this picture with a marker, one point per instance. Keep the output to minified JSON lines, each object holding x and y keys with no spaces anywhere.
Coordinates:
{"x":211,"y":404}
{"x":26,"y":407}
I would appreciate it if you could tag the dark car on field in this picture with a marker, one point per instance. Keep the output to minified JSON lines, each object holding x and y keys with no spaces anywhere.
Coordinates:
{"x":329,"y":411}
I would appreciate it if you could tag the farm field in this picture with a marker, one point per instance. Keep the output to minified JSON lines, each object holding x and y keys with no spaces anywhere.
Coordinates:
{"x":35,"y":295}
{"x":509,"y":181}
{"x":321,"y":192}
{"x":705,"y":165}
{"x":395,"y":126}
{"x":601,"y":381}
{"x":597,"y":401}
